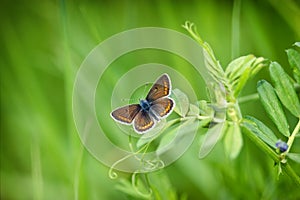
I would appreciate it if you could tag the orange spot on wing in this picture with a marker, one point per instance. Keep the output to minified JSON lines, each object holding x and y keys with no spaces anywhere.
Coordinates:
{"x":124,"y":118}
{"x":166,"y":110}
{"x":166,"y":88}
{"x":146,"y":126}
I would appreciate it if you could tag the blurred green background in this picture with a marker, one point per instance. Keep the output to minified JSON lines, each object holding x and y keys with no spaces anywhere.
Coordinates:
{"x":43,"y":44}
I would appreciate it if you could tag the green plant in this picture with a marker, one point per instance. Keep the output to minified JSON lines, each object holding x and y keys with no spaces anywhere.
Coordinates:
{"x":224,"y":119}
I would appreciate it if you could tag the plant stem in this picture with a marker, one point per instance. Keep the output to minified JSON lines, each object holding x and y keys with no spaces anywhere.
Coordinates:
{"x":261,"y":144}
{"x":292,"y":137}
{"x":247,"y":98}
{"x":291,"y":173}
{"x":251,"y":97}
{"x":265,"y":148}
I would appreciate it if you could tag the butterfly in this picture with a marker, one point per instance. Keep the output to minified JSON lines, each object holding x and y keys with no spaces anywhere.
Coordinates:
{"x":149,"y":111}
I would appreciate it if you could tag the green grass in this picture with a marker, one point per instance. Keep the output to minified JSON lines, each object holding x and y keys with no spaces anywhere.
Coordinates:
{"x":42,"y":47}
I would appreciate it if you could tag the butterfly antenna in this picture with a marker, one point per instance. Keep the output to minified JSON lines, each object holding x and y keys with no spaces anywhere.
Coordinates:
{"x":145,"y":86}
{"x":124,"y":99}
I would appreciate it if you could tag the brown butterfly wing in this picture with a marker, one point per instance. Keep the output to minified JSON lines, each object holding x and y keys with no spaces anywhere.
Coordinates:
{"x":162,"y":107}
{"x":126,"y":114}
{"x":160,"y":88}
{"x":143,"y":122}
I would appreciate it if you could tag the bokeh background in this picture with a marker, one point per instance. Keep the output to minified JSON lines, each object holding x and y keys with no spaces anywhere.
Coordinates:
{"x":43,"y":44}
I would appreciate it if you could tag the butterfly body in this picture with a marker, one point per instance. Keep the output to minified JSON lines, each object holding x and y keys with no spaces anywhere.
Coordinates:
{"x":150,"y":110}
{"x":145,"y":105}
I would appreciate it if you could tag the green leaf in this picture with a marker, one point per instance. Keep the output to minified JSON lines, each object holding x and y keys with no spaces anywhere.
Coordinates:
{"x":242,"y":81}
{"x":153,"y":133}
{"x":294,"y":156}
{"x":212,"y":64}
{"x":257,"y":65}
{"x":294,"y":60}
{"x":237,"y":67}
{"x":217,"y":94}
{"x":272,"y":106}
{"x":250,"y":129}
{"x":194,"y":110}
{"x":182,"y":102}
{"x":167,"y":140}
{"x":204,"y":108}
{"x":212,"y":136}
{"x":173,"y":136}
{"x":285,"y":89}
{"x":241,"y":69}
{"x":262,"y":131}
{"x":233,"y":141}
